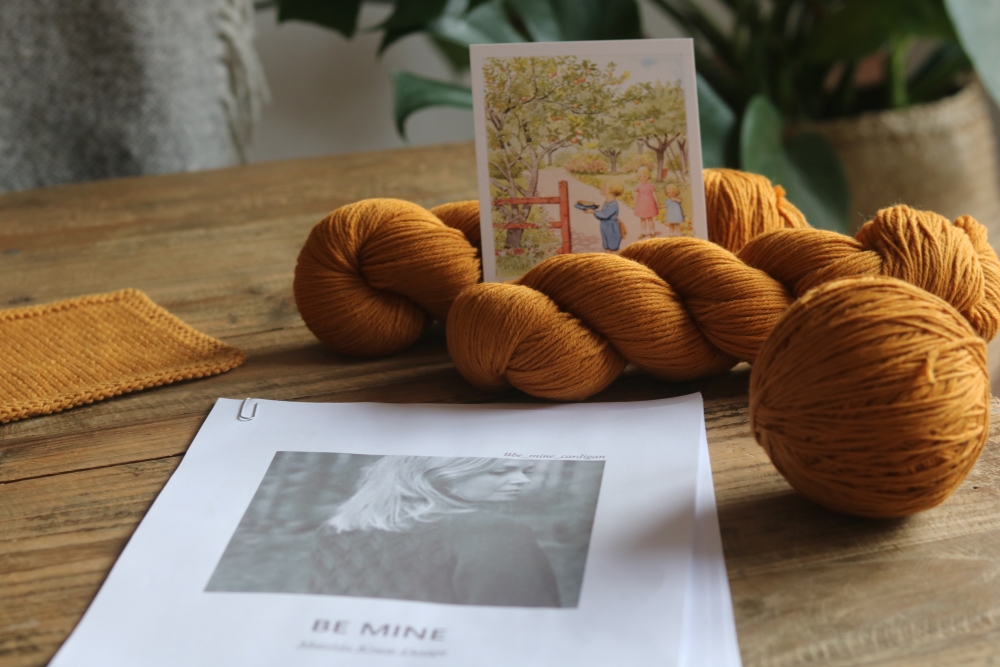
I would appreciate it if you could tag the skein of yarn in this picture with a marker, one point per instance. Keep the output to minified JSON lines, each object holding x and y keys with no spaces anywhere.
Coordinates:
{"x":373,"y":274}
{"x":871,"y":397}
{"x":751,"y":199}
{"x":683,"y":308}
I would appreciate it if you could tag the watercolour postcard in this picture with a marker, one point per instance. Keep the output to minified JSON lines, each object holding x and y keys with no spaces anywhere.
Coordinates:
{"x":584,"y":147}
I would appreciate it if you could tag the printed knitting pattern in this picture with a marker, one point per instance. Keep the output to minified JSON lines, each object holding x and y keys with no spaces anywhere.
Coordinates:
{"x":68,"y":353}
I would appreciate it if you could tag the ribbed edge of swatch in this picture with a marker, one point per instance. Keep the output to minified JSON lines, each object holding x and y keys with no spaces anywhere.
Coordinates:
{"x":69,"y":353}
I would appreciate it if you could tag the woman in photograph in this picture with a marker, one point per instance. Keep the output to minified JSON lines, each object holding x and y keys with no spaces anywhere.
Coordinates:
{"x":426,"y":528}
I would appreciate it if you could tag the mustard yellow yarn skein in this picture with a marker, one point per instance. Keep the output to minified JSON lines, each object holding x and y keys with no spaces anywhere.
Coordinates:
{"x":871,"y":397}
{"x":683,"y":308}
{"x":373,"y":274}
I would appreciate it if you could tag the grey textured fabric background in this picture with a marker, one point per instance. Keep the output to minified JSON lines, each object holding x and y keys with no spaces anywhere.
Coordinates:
{"x":93,"y":89}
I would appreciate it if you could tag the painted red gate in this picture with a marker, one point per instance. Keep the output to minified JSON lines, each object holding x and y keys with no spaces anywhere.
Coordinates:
{"x":561,"y":224}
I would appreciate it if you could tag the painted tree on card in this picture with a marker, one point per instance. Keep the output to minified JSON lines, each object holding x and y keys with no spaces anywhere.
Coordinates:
{"x":614,"y":136}
{"x":534,"y":107}
{"x":656,"y":115}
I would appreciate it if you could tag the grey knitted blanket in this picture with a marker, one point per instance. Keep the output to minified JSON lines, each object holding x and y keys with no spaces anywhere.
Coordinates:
{"x":94,"y":89}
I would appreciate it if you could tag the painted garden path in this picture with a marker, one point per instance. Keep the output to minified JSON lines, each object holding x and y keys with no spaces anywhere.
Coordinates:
{"x":586,"y":230}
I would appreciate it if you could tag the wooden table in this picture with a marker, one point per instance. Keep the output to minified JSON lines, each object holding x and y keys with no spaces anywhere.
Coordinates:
{"x":217,"y":249}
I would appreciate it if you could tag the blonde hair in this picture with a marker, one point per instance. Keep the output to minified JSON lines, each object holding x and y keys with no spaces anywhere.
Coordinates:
{"x":672,"y":190}
{"x":643,"y":170}
{"x":396,"y":492}
{"x":615,"y":187}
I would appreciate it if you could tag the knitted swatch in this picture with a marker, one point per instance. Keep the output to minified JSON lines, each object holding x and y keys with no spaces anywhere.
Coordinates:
{"x":81,"y":350}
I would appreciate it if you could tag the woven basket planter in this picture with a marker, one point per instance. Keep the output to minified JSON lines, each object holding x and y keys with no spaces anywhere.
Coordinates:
{"x":940,"y":157}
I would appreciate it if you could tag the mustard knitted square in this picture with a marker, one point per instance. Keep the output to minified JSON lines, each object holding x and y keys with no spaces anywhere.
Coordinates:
{"x":64,"y":354}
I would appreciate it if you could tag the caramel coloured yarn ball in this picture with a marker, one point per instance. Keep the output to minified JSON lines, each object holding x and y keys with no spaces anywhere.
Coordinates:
{"x":871,"y":397}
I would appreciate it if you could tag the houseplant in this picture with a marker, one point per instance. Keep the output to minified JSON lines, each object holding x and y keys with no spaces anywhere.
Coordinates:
{"x":887,"y":82}
{"x":768,"y":79}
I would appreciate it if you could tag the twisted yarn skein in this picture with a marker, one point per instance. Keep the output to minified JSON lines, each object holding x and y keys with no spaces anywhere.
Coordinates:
{"x":871,"y":397}
{"x":368,"y":287}
{"x":683,"y":308}
{"x":373,"y":274}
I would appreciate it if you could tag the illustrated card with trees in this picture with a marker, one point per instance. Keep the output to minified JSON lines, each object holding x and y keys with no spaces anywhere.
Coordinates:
{"x":584,"y":147}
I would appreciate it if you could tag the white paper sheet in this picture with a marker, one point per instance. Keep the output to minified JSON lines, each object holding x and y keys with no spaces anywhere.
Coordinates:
{"x":154,"y":608}
{"x":710,"y":627}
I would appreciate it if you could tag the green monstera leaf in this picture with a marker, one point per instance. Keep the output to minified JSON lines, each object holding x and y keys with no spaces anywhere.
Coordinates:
{"x":718,"y":128}
{"x":860,"y":27}
{"x":806,"y":165}
{"x":413,"y":93}
{"x":978,"y":25}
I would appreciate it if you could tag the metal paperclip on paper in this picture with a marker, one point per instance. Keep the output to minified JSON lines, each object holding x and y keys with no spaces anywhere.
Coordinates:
{"x":242,"y":415}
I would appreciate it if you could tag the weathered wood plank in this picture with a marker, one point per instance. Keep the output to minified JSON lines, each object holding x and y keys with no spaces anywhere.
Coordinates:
{"x":61,"y":535}
{"x":183,"y":230}
{"x":428,"y":176}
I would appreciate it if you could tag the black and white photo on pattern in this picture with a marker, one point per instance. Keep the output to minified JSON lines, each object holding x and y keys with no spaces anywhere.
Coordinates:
{"x":507,"y":532}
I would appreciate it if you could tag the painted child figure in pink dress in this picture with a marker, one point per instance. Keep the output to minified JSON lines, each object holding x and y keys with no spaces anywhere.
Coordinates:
{"x":646,"y":208}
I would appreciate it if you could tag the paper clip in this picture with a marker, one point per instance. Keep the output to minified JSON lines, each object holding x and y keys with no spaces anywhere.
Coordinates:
{"x":242,"y":416}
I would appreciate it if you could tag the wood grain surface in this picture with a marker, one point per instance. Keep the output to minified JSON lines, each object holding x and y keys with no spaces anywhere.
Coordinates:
{"x":218,"y":249}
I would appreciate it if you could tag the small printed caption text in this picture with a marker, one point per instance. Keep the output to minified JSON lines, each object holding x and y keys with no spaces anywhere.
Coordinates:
{"x":555,"y":457}
{"x":410,"y":641}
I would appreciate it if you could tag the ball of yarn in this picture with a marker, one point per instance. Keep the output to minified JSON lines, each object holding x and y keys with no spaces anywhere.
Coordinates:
{"x":683,"y":308}
{"x":372,"y":274}
{"x":871,"y":397}
{"x":759,"y":206}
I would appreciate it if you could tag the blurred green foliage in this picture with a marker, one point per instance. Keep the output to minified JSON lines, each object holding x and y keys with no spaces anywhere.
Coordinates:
{"x":766,"y":68}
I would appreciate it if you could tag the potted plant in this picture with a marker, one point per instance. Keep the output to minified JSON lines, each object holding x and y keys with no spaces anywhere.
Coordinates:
{"x":774,"y":86}
{"x":887,"y":83}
